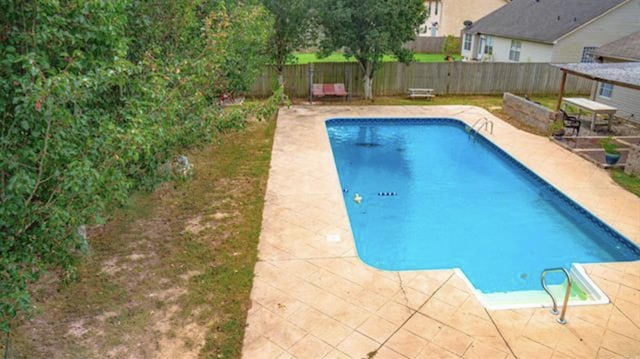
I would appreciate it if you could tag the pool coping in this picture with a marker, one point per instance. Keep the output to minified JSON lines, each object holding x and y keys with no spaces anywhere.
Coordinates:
{"x":314,"y":298}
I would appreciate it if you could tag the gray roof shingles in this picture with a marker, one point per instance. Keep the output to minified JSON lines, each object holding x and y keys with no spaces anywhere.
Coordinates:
{"x":626,"y":48}
{"x":624,"y":73}
{"x":541,"y":20}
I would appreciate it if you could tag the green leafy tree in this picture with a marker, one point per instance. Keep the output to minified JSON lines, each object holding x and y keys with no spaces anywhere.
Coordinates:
{"x":369,"y":29}
{"x":95,"y":95}
{"x":293,"y":29}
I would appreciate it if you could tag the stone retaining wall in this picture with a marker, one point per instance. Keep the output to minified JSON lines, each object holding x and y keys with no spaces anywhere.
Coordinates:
{"x":632,"y":167}
{"x":527,"y":112}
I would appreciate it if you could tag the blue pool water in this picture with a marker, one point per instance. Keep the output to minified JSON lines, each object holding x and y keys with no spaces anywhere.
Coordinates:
{"x":433,"y":197}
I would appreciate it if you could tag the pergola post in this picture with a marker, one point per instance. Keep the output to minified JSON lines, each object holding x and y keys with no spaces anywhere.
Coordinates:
{"x":562,"y":83}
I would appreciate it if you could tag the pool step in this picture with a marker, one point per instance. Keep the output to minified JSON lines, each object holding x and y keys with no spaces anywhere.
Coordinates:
{"x":583,"y":292}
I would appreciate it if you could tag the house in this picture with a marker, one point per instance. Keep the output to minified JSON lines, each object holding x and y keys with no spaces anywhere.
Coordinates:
{"x":446,"y":17}
{"x":625,"y":49}
{"x":625,"y":99}
{"x":558,"y":31}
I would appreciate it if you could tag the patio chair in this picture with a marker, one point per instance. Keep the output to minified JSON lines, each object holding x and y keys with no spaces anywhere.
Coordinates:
{"x":571,"y":122}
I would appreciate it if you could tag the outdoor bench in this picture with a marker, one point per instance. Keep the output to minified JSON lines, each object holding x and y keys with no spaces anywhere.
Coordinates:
{"x":322,"y":90}
{"x":419,"y":92}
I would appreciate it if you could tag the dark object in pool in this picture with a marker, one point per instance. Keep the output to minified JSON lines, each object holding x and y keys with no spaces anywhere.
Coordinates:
{"x":344,"y":190}
{"x":367,"y":144}
{"x":523,"y":275}
{"x":387,"y":194}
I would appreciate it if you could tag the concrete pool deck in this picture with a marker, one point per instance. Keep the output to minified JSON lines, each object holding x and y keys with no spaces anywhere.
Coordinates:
{"x":313,"y":297}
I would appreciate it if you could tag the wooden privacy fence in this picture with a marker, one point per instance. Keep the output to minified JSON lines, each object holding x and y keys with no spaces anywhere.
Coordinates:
{"x":453,"y":78}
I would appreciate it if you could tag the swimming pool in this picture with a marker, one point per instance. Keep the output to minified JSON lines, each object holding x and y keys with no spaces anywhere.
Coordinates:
{"x":435,"y":196}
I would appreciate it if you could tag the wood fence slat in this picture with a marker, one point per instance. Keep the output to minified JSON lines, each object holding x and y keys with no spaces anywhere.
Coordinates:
{"x":455,"y":78}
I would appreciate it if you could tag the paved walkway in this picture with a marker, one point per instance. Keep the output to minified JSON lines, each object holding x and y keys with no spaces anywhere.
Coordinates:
{"x":314,"y":298}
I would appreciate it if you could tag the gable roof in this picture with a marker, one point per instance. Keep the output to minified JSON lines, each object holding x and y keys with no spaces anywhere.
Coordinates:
{"x":626,"y":48}
{"x":541,"y":20}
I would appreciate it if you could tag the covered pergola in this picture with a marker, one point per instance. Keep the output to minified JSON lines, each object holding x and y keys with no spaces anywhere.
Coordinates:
{"x":625,"y":74}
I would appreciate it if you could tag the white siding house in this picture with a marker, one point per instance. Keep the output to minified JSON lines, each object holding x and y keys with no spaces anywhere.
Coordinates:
{"x":626,"y":100}
{"x":549,"y":30}
{"x":506,"y":49}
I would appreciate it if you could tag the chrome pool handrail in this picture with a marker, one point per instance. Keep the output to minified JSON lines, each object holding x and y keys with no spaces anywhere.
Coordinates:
{"x":554,"y":310}
{"x":483,"y":121}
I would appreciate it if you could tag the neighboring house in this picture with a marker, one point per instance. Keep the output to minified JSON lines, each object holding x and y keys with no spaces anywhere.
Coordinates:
{"x":626,"y":100}
{"x":446,"y":17}
{"x":559,"y":31}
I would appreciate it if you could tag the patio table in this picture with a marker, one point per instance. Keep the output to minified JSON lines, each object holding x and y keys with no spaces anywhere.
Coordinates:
{"x":595,"y":108}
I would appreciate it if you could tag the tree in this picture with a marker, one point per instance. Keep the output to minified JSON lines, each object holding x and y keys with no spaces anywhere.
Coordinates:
{"x":369,"y":29}
{"x":293,"y":29}
{"x":96,"y":95}
{"x":237,"y":40}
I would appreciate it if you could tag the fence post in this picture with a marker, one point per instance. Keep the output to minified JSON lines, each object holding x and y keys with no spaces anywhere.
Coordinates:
{"x":310,"y":82}
{"x":449,"y":65}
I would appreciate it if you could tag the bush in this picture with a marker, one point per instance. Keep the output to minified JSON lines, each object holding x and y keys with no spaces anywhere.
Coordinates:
{"x":451,"y":45}
{"x":95,"y":96}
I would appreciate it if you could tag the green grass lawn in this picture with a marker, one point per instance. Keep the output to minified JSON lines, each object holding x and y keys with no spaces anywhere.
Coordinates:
{"x":170,"y":274}
{"x":305,"y":58}
{"x":628,"y":182}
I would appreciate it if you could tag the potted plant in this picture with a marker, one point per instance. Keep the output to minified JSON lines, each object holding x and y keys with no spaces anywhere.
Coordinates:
{"x":611,"y":153}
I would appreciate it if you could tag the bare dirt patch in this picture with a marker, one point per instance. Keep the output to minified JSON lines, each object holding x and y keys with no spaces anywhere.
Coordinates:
{"x":164,"y":277}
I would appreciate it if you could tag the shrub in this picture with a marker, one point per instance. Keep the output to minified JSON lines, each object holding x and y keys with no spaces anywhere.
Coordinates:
{"x":95,"y":96}
{"x":451,"y":45}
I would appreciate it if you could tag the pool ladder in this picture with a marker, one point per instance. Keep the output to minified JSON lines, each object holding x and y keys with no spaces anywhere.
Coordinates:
{"x":554,"y":310}
{"x":482,"y":122}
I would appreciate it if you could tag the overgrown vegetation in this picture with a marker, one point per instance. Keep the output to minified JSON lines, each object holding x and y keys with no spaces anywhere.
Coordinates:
{"x":169,"y":275}
{"x":96,"y":95}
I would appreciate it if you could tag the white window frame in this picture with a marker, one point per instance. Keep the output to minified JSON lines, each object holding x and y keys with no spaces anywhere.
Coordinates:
{"x":467,"y":42}
{"x":515,"y":50}
{"x":487,"y":48}
{"x":587,"y":54}
{"x":606,"y":90}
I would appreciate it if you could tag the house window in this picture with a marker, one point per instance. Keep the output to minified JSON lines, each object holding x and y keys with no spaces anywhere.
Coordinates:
{"x":514,"y":52}
{"x":436,"y":12}
{"x":467,"y":42}
{"x":587,"y":54}
{"x":488,"y":46}
{"x":606,"y":90}
{"x":424,"y":28}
